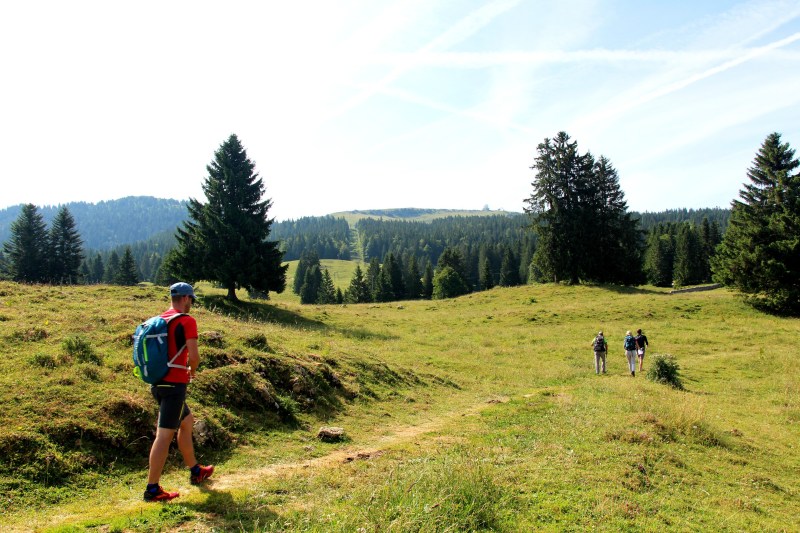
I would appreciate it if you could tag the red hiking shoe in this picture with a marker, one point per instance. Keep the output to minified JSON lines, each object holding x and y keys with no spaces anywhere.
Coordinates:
{"x":204,"y":473}
{"x":160,"y":495}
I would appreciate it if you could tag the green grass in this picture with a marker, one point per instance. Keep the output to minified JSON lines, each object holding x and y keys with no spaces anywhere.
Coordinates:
{"x":352,"y":217}
{"x":478,"y":413}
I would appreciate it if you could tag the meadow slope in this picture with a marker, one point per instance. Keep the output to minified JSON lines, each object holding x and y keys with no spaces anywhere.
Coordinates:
{"x":476,"y":413}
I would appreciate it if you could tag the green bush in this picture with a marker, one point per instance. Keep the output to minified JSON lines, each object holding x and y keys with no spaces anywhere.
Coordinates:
{"x":44,"y":360}
{"x":665,"y":369}
{"x":82,"y":350}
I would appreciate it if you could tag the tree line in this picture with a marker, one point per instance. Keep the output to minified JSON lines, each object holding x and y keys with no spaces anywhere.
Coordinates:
{"x":578,"y":230}
{"x":328,"y":237}
{"x":111,"y":223}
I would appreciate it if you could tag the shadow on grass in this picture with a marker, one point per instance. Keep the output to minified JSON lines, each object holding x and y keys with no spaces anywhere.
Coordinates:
{"x":257,"y":312}
{"x":263,"y":312}
{"x":222,"y":512}
{"x":627,"y":289}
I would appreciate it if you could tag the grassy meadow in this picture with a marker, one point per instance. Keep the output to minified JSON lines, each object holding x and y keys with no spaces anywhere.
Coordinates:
{"x":481,"y":413}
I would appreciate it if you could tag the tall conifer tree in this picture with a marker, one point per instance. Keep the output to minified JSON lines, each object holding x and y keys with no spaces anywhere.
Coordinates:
{"x":97,"y":269}
{"x":26,"y":250}
{"x":112,"y":268}
{"x":413,"y":282}
{"x":327,"y":290}
{"x":312,"y":281}
{"x":580,"y":216}
{"x":128,"y":273}
{"x":427,"y":282}
{"x":358,"y":292}
{"x":226,"y":239}
{"x":66,"y":249}
{"x":760,"y":252}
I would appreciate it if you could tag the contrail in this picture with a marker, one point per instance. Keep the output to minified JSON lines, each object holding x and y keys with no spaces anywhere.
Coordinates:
{"x":681,"y":84}
{"x":463,"y":29}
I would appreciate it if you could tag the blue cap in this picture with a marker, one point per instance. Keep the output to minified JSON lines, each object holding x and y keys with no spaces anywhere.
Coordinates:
{"x":181,"y":289}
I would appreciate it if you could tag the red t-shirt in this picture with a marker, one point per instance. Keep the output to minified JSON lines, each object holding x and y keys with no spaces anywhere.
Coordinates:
{"x":180,"y":330}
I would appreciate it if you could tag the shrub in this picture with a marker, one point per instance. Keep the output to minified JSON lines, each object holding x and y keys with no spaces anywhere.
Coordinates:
{"x":44,"y":360}
{"x":257,"y":341}
{"x":82,"y":350}
{"x":31,"y":335}
{"x":665,"y":369}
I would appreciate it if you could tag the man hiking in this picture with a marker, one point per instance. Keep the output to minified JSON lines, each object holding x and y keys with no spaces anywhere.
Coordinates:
{"x":641,"y":344}
{"x":630,"y":352}
{"x":600,"y":347}
{"x":170,"y":393}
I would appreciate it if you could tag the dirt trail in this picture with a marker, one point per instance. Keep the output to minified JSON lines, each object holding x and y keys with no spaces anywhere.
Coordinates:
{"x":374,"y":448}
{"x":224,"y":480}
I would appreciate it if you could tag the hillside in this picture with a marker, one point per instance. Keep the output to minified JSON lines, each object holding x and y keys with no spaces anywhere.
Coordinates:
{"x":111,"y":223}
{"x":477,"y":413}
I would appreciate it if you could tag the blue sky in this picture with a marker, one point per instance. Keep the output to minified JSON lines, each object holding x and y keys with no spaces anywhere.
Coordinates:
{"x":368,"y":104}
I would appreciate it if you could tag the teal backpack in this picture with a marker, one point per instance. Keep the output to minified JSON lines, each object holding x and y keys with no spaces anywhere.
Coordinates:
{"x":630,"y":343}
{"x":150,"y":358}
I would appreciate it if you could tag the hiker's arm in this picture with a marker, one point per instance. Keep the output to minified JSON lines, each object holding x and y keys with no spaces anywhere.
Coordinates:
{"x":194,"y":355}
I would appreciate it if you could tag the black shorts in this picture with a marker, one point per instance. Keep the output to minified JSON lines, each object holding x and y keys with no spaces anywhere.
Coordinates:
{"x":172,"y":408}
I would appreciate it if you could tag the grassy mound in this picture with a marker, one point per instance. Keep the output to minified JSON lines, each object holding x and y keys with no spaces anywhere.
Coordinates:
{"x":72,"y":405}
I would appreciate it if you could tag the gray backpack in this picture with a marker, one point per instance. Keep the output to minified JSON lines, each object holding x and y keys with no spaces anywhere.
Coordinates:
{"x":599,"y":344}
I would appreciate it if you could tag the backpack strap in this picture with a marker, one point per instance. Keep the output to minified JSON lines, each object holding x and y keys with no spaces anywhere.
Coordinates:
{"x":171,"y":362}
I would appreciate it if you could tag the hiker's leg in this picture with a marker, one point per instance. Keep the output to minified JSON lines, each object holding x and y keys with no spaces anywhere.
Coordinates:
{"x":185,"y":444}
{"x":596,"y":362}
{"x":603,"y":359}
{"x":158,"y":453}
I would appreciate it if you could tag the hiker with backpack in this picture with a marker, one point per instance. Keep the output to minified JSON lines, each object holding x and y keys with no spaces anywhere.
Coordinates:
{"x":600,"y":347}
{"x":630,"y":352}
{"x":176,"y":330}
{"x":641,"y":344}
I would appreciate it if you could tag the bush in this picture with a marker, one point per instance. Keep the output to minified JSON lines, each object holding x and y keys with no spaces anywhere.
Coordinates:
{"x":82,"y":350}
{"x":665,"y":369}
{"x":44,"y":360}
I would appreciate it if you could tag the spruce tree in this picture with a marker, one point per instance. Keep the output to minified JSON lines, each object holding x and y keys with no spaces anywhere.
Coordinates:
{"x":308,"y":259}
{"x":66,"y":249}
{"x":687,"y":268}
{"x":760,"y":252}
{"x":327,"y":290}
{"x":97,"y":269}
{"x":3,"y":266}
{"x":358,"y":292}
{"x":372,"y":278}
{"x":413,"y":280}
{"x":394,"y":272}
{"x":112,"y":269}
{"x":309,"y":292}
{"x":26,"y":249}
{"x":509,"y":270}
{"x":579,"y":214}
{"x":427,"y":282}
{"x":659,"y":258}
{"x":384,"y":292}
{"x":486,"y":281}
{"x":127,"y":273}
{"x":226,"y":239}
{"x":555,"y":210}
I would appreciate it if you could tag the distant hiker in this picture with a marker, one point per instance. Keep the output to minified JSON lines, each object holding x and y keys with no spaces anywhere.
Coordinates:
{"x":630,"y":352}
{"x":600,"y":347}
{"x":170,"y":393}
{"x":641,"y":344}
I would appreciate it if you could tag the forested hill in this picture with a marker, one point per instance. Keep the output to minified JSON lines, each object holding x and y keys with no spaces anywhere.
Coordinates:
{"x":111,"y":223}
{"x":695,"y":216}
{"x":135,"y":219}
{"x":425,"y":232}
